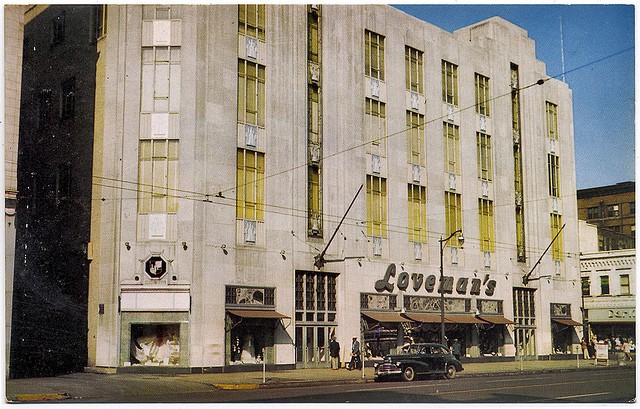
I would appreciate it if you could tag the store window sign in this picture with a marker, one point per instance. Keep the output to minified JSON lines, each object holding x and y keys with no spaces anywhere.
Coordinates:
{"x":622,"y":314}
{"x":418,"y":281}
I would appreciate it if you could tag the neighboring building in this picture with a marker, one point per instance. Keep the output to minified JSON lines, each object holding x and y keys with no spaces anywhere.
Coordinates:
{"x":13,"y":36}
{"x":231,"y":140}
{"x":613,"y":209}
{"x":608,"y":289}
{"x":50,"y":281}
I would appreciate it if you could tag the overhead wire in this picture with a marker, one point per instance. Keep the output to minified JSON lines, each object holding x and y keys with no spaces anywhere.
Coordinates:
{"x":207,"y":197}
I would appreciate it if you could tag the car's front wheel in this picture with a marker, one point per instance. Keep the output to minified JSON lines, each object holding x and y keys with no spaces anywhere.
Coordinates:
{"x":451,"y":371}
{"x":408,"y":374}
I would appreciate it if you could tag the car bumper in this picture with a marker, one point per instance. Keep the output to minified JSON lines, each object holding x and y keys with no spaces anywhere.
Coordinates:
{"x":387,"y":370}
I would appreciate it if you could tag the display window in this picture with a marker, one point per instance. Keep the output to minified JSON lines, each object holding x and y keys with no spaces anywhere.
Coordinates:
{"x":155,"y":344}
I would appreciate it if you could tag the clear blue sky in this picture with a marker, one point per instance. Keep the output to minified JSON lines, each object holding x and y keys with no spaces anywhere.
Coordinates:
{"x":603,"y":90}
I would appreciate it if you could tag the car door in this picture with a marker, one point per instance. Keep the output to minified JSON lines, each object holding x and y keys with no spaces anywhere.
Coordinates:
{"x":439,"y":359}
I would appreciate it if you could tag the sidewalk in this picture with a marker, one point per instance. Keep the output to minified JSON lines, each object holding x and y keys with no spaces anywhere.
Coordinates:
{"x":93,"y":384}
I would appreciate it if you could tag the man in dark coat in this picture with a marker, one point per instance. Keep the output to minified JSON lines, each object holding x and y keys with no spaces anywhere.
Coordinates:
{"x":334,"y":352}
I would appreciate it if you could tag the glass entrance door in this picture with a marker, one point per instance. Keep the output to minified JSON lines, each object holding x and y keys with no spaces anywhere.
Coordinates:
{"x":526,"y":342}
{"x":524,"y":314}
{"x":312,"y":346}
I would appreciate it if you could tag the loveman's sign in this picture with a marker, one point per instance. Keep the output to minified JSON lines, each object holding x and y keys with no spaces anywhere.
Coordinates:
{"x":417,"y":281}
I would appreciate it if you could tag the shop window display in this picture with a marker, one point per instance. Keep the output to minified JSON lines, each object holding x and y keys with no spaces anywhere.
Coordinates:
{"x":155,"y":345}
{"x":251,"y":341}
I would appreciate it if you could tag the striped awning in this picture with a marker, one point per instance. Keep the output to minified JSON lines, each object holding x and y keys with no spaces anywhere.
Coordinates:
{"x":496,"y":319}
{"x":566,"y":321}
{"x":385,"y":316}
{"x":257,"y":314}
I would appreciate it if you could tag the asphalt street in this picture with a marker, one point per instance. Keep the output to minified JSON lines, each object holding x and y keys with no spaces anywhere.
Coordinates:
{"x":615,"y":384}
{"x":568,"y":387}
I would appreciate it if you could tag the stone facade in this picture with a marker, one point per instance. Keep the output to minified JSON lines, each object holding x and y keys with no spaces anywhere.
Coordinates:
{"x":217,"y":300}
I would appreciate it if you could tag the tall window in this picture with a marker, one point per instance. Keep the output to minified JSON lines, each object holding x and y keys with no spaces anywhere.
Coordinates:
{"x":586,"y":286}
{"x":554,"y":175}
{"x":557,"y":251}
{"x":314,"y":217}
{"x":58,"y":29}
{"x":449,"y":83}
{"x":251,"y":93}
{"x":376,"y":126}
{"x":314,"y":114}
{"x":415,"y":138}
{"x":68,"y":98}
{"x":63,"y":182}
{"x":44,"y":108}
{"x":485,"y":162}
{"x":552,"y":120}
{"x":451,"y":148}
{"x":158,"y":176}
{"x":485,"y":215}
{"x":625,"y":288}
{"x":98,"y":21}
{"x":313,"y":40}
{"x":482,"y":94}
{"x":417,"y":200}
{"x":374,"y":55}
{"x":376,"y":206}
{"x":250,"y":185}
{"x":413,"y":69}
{"x":161,"y":72}
{"x":251,"y":20}
{"x":453,"y":213}
{"x":315,"y":296}
{"x":604,"y":285}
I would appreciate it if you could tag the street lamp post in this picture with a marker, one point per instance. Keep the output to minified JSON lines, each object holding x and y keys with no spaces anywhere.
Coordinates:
{"x":442,"y":244}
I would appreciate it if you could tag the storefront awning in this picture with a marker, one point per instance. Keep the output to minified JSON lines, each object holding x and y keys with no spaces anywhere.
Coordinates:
{"x":496,"y":319}
{"x":423,"y":317}
{"x":385,"y":316}
{"x":257,"y":314}
{"x":462,"y":319}
{"x":448,"y":318}
{"x":565,"y":321}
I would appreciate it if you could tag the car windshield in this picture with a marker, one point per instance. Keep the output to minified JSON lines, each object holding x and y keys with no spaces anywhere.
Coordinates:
{"x":415,"y":349}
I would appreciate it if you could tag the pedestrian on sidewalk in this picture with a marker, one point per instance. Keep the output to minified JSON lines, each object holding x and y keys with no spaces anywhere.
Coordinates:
{"x":626,"y":347}
{"x":355,"y":354}
{"x":591,"y":347}
{"x":585,"y":350}
{"x":334,"y":352}
{"x":456,"y":349}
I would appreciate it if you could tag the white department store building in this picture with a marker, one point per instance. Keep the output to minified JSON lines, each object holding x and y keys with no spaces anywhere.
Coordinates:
{"x":233,"y":139}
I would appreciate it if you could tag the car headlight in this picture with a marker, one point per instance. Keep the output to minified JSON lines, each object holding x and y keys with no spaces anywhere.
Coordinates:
{"x":398,"y":363}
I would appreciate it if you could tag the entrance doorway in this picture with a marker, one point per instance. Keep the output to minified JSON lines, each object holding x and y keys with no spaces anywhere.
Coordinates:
{"x":524,"y":314}
{"x":312,"y":346}
{"x":315,"y":317}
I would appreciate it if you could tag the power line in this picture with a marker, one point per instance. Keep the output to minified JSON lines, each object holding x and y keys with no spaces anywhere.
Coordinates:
{"x":403,"y":230}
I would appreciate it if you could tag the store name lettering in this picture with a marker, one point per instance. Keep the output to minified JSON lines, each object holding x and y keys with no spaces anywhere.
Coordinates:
{"x":417,"y":281}
{"x":622,"y":314}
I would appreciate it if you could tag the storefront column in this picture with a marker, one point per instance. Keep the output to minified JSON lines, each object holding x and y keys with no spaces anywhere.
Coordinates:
{"x":474,"y":349}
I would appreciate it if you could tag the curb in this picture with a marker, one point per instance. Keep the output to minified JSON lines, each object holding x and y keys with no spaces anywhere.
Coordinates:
{"x":236,"y":386}
{"x":41,"y":397}
{"x":307,"y":383}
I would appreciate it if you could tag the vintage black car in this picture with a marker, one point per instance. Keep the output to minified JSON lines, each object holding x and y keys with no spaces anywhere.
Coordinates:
{"x":419,"y":359}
